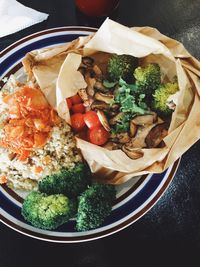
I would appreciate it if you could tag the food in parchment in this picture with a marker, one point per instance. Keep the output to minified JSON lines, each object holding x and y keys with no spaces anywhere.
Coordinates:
{"x":125,"y":107}
{"x":38,"y":153}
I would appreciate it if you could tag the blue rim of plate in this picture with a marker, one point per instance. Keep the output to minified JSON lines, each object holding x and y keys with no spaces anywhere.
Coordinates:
{"x":128,"y":208}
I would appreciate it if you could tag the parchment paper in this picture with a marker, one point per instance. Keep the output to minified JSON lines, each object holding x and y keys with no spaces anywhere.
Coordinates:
{"x":55,"y":70}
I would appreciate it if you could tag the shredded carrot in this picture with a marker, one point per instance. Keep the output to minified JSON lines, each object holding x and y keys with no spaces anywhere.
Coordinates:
{"x":38,"y":169}
{"x":30,"y":123}
{"x":3,"y":179}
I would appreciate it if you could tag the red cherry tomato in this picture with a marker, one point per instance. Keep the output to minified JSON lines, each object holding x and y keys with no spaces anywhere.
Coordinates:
{"x":69,"y":103}
{"x":98,"y":135}
{"x":91,"y":119}
{"x":77,"y":122}
{"x":78,"y":108}
{"x":76,"y":99}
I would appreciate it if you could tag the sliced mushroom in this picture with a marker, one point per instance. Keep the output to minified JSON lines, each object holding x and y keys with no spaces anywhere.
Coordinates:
{"x":99,"y":105}
{"x":120,"y":137}
{"x":113,"y":138}
{"x":84,"y":96}
{"x":103,"y":120}
{"x":112,"y":146}
{"x":97,"y":70}
{"x":107,"y":98}
{"x":145,"y":119}
{"x":116,"y":118}
{"x":90,"y":82}
{"x":133,"y":129}
{"x":100,"y":87}
{"x":132,"y":152}
{"x":88,"y":61}
{"x":139,"y":139}
{"x":123,"y":137}
{"x":156,"y":135}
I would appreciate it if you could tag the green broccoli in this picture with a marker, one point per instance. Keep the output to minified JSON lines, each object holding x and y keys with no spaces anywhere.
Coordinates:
{"x":148,"y":78}
{"x":121,"y":66}
{"x":70,"y":182}
{"x":160,"y":97}
{"x":95,"y":204}
{"x":47,"y":212}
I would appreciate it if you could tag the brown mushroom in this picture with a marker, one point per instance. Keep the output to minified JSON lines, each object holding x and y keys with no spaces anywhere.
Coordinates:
{"x":156,"y":134}
{"x":116,"y":118}
{"x":100,"y":87}
{"x":145,"y":119}
{"x":107,"y":98}
{"x":90,"y":84}
{"x":97,"y":70}
{"x":99,"y":105}
{"x":113,"y":137}
{"x":120,"y":137}
{"x":132,"y":152}
{"x":123,"y":137}
{"x":133,"y":129}
{"x":139,"y":139}
{"x":85,"y":97}
{"x":88,"y":61}
{"x":103,"y":120}
{"x":112,"y":146}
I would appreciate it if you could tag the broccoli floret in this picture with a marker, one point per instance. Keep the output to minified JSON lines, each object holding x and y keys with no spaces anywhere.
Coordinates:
{"x":95,"y":204}
{"x":70,"y":182}
{"x":148,"y":78}
{"x":47,"y":212}
{"x":160,"y":97}
{"x":121,"y":66}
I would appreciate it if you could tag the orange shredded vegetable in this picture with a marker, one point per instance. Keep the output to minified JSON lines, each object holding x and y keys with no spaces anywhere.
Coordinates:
{"x":31,"y":119}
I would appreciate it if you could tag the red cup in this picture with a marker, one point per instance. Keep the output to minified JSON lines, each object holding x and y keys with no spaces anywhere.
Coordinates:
{"x":96,"y":8}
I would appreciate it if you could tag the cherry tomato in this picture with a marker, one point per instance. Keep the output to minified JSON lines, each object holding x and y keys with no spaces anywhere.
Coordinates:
{"x":77,"y":122}
{"x":69,"y":103}
{"x":78,"y":108}
{"x":91,"y":119}
{"x":98,"y":135}
{"x":76,"y":99}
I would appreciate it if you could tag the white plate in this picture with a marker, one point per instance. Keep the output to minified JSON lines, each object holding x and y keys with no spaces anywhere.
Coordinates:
{"x":134,"y":198}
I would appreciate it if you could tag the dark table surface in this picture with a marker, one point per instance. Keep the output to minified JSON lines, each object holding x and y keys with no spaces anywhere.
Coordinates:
{"x":169,"y":234}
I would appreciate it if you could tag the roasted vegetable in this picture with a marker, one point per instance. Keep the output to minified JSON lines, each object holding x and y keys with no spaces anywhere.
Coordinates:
{"x":70,"y":182}
{"x":47,"y":212}
{"x":157,"y":134}
{"x":95,"y":204}
{"x":148,"y":78}
{"x":121,"y":66}
{"x":160,"y":97}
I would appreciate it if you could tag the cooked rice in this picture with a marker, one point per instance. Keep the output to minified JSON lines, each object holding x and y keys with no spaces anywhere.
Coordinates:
{"x":60,"y":151}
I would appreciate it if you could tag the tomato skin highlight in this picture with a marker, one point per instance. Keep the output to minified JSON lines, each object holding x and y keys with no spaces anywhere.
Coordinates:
{"x":98,"y":136}
{"x":69,"y":103}
{"x":91,"y":119}
{"x":76,"y":99}
{"x":78,"y":108}
{"x":77,"y":122}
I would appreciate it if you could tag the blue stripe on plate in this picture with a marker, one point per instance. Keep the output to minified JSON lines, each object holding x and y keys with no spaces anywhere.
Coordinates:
{"x":19,"y":54}
{"x":116,"y":215}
